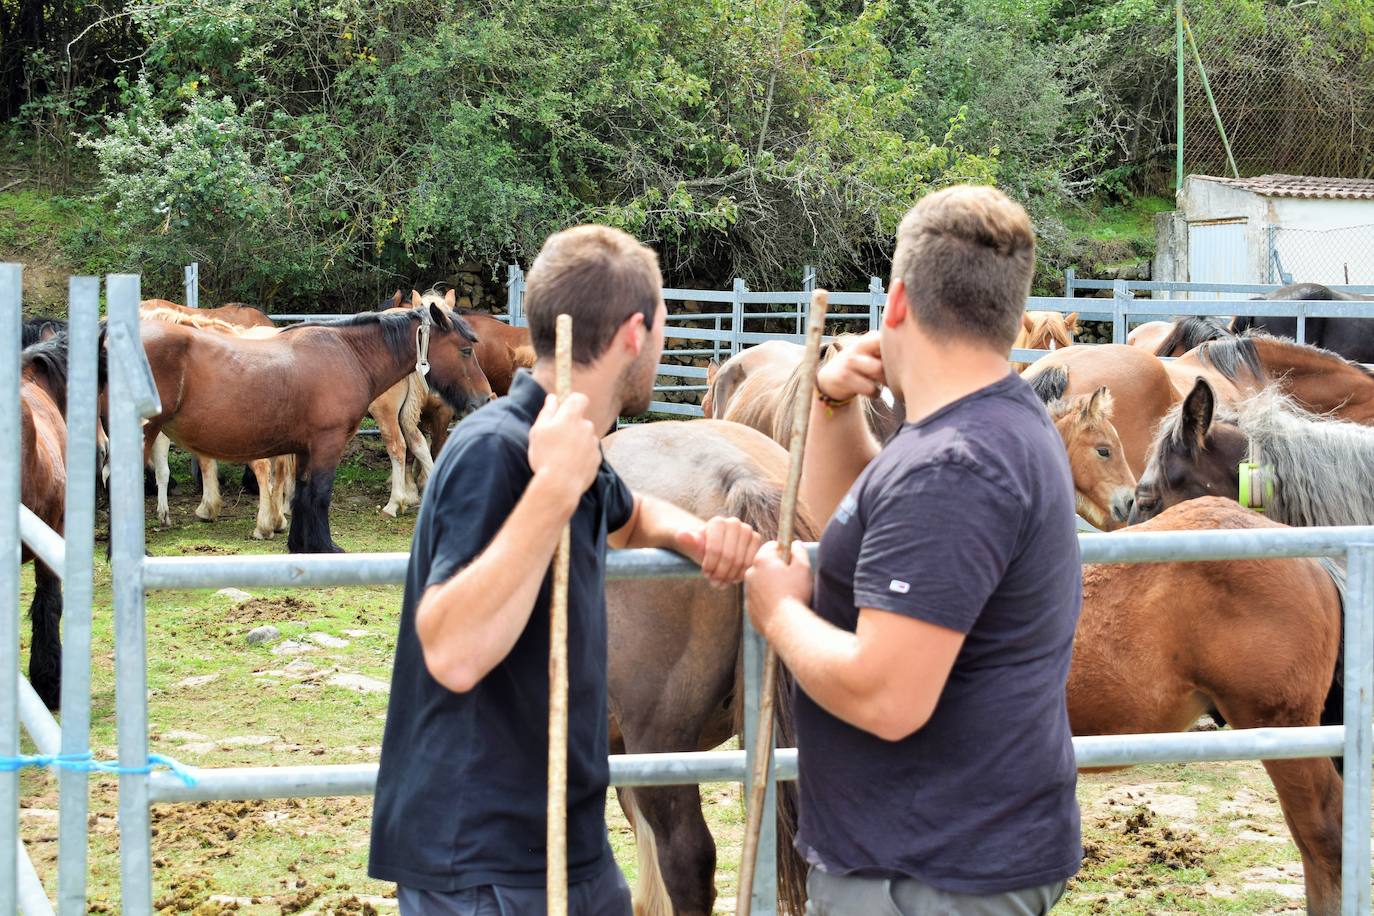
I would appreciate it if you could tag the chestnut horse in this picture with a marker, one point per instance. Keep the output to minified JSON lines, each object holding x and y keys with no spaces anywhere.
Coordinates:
{"x":1044,"y":331}
{"x":1256,"y":640}
{"x":1318,"y":380}
{"x":321,"y":376}
{"x":1143,"y":387}
{"x":43,"y":489}
{"x":1103,"y":485}
{"x":674,"y":653}
{"x":235,"y":313}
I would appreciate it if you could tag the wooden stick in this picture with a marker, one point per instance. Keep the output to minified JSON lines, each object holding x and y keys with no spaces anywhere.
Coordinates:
{"x":763,"y":739}
{"x":557,"y":835}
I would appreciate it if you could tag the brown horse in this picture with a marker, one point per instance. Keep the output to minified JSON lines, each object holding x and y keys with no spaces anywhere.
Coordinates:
{"x":1318,"y":380}
{"x":1321,"y":470}
{"x":320,"y":377}
{"x":1143,"y":387}
{"x":1352,"y":338}
{"x":235,"y":313}
{"x":43,"y":489}
{"x":1104,"y":487}
{"x":1044,"y":331}
{"x":675,"y":653}
{"x":1255,"y":640}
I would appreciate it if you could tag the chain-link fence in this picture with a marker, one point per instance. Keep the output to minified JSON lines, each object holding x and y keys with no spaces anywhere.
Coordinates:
{"x":1330,"y":256}
{"x":1294,"y":90}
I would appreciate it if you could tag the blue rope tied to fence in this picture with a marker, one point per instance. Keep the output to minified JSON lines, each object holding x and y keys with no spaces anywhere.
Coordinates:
{"x":86,"y":763}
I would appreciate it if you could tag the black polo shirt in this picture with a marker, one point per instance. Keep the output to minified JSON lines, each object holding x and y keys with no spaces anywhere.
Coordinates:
{"x":461,"y":793}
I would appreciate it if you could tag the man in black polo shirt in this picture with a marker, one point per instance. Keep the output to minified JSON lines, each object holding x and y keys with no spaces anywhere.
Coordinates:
{"x":459,"y":817}
{"x":937,"y":771}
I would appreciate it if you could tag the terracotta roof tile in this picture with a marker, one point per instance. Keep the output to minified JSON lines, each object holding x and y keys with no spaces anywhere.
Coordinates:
{"x":1303,"y":186}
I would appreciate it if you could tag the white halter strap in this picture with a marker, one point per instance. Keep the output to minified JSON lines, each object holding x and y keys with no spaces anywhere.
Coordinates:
{"x":422,"y":342}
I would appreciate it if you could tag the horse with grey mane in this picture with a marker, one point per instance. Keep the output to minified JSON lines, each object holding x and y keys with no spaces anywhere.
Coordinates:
{"x":1352,"y":338}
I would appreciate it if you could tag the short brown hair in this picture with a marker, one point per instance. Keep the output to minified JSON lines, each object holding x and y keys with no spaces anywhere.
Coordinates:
{"x":598,"y":275}
{"x":966,"y":255}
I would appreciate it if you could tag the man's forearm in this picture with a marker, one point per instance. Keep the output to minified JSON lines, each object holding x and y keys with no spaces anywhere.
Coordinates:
{"x":657,"y":523}
{"x":838,"y":447}
{"x":469,"y":623}
{"x":824,"y":660}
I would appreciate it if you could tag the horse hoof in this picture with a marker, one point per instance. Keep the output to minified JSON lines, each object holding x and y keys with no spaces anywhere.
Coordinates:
{"x":391,"y":509}
{"x":205,"y":515}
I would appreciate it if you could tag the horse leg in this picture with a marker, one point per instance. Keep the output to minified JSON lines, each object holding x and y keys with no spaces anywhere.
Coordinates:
{"x":45,"y":652}
{"x":424,"y":461}
{"x":288,"y":485}
{"x":266,"y":527}
{"x":210,"y":502}
{"x":395,"y":442}
{"x":310,"y":505}
{"x":677,"y":856}
{"x":161,"y":471}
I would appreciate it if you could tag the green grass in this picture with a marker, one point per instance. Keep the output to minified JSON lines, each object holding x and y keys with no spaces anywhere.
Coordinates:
{"x":1131,"y":222}
{"x":211,"y":693}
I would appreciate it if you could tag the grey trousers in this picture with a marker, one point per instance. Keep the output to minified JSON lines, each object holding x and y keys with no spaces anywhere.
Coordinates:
{"x":841,"y":895}
{"x":607,"y":894}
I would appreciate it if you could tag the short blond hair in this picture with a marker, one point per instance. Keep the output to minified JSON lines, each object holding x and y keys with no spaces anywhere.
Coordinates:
{"x":966,"y":255}
{"x":598,"y":275}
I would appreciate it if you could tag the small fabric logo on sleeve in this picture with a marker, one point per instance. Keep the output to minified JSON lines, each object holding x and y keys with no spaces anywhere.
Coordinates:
{"x":845,"y":511}
{"x":898,"y":586}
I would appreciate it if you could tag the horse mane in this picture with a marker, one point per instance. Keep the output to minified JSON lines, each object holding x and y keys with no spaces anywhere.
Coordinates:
{"x":1231,"y":355}
{"x":49,"y":359}
{"x":1323,"y":465}
{"x":1192,"y":332}
{"x":1049,"y":386}
{"x":396,"y":327}
{"x":201,"y":322}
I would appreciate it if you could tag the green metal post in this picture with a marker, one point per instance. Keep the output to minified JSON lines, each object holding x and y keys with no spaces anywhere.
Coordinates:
{"x":1178,"y":41}
{"x":1207,"y":87}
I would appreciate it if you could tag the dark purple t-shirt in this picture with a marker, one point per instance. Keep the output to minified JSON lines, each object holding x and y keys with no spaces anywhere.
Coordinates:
{"x":964,"y":520}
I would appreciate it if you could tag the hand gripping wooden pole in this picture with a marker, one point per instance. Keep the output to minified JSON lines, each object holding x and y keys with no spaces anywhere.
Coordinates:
{"x":763,"y":739}
{"x":556,"y":837}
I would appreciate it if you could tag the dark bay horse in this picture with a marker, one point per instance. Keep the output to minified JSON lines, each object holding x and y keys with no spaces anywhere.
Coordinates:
{"x":1352,"y":338}
{"x":675,"y":653}
{"x":43,"y":489}
{"x":1256,"y":640}
{"x":302,"y":392}
{"x":1321,"y":469}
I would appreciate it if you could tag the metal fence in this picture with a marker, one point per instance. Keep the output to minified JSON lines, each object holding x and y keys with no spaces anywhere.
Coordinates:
{"x":133,"y":396}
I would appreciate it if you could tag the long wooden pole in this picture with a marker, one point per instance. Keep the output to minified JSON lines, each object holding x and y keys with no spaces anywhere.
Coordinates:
{"x":763,"y":739}
{"x":557,"y":835}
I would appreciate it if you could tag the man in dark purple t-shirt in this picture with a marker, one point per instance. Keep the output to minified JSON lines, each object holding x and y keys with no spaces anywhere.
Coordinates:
{"x":932,"y":646}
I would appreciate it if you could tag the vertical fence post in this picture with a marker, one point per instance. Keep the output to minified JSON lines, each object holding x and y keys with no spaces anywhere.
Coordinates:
{"x":193,"y":285}
{"x":11,"y":293}
{"x":876,"y":297}
{"x":765,"y":897}
{"x":79,"y":533}
{"x":1070,"y":275}
{"x":126,"y":537}
{"x":808,"y":287}
{"x":515,"y":295}
{"x":1302,"y":323}
{"x":736,"y":314}
{"x":1121,"y":304}
{"x":1359,"y":740}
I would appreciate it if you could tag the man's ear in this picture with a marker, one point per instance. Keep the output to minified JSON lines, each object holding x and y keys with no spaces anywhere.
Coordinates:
{"x":896,"y":304}
{"x":630,"y":332}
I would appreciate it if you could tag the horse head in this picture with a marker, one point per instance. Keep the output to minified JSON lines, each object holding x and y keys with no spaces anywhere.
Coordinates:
{"x":1104,"y":487}
{"x":1196,"y":453}
{"x":447,"y":343}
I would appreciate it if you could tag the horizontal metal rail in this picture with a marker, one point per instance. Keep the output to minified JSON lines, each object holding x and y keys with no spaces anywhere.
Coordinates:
{"x":1148,"y":286}
{"x":1091,"y":752}
{"x":46,"y":544}
{"x":324,"y":570}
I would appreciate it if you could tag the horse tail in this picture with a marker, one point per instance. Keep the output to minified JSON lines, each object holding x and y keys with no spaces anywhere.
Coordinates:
{"x":757,"y":500}
{"x":1051,"y":384}
{"x":651,"y":893}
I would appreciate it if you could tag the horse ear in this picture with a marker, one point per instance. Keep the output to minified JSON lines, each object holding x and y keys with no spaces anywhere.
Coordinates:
{"x":1071,"y":322}
{"x":1197,"y":411}
{"x":1027,"y":323}
{"x":712,"y":369}
{"x":451,"y":299}
{"x":416,"y":300}
{"x":1098,"y":407}
{"x":440,"y":316}
{"x":396,"y":299}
